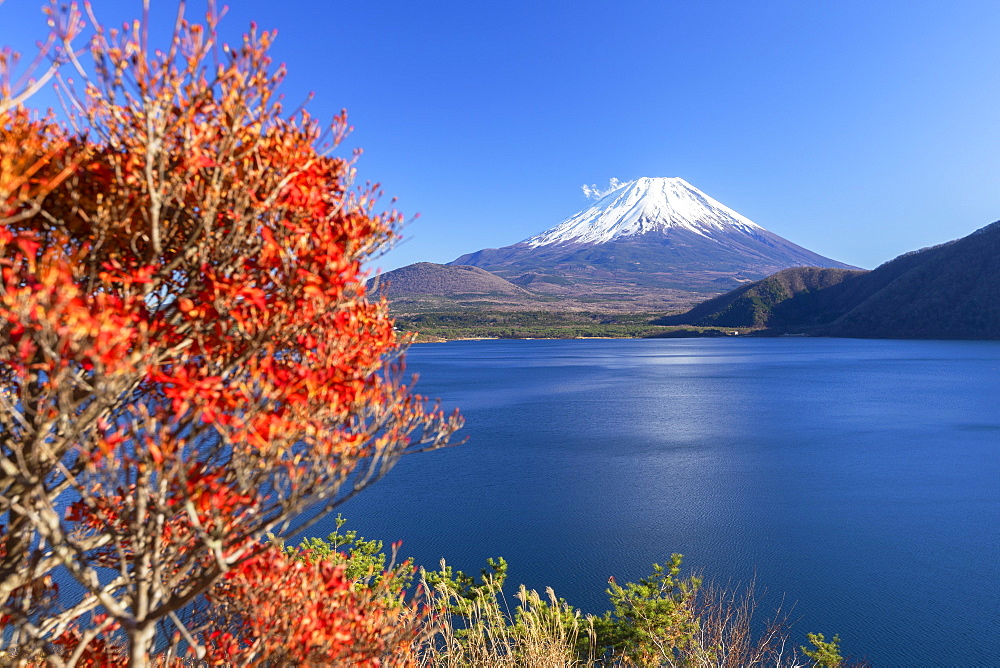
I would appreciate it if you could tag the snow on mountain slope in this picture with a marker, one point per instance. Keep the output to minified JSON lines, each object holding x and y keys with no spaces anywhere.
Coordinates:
{"x":651,"y":239}
{"x":646,"y":205}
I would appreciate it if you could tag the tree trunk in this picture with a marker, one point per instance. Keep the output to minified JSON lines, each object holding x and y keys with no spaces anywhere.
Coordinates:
{"x":140,"y":642}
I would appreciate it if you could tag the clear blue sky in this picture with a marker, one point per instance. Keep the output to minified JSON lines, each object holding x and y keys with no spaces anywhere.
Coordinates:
{"x":858,"y":129}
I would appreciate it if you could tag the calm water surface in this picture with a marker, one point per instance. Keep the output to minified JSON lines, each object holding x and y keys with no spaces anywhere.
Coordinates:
{"x":858,"y":479}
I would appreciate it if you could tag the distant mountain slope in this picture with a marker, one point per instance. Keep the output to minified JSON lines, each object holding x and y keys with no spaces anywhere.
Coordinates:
{"x":427,"y":278}
{"x":766,"y":303}
{"x":650,"y":235}
{"x":947,"y":291}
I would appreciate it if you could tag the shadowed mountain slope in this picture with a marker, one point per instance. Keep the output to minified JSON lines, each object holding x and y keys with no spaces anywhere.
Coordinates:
{"x":948,"y":291}
{"x":769,"y":302}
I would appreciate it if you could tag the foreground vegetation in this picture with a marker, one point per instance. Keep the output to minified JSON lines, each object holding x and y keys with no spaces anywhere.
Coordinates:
{"x":402,"y":616}
{"x":665,"y":619}
{"x":189,"y":360}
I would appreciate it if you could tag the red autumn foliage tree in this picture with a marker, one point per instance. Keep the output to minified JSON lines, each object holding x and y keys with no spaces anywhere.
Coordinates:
{"x":335,"y":622}
{"x":188,"y":360}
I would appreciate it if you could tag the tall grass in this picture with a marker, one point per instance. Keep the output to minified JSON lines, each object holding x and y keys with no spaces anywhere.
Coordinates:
{"x":486,"y":632}
{"x":490,"y":631}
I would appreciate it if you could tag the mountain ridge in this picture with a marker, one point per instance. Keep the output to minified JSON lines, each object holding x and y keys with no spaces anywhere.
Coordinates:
{"x":660,"y":241}
{"x":428,"y":278}
{"x":948,"y":291}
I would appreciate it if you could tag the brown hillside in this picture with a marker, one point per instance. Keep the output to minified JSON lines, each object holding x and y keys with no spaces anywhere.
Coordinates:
{"x":427,"y":278}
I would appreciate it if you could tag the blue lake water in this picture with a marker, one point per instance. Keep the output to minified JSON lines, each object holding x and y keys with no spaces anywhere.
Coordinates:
{"x":860,"y":480}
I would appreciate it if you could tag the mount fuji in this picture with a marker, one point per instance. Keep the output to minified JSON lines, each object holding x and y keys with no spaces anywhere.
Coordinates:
{"x":654,"y":242}
{"x":644,"y":206}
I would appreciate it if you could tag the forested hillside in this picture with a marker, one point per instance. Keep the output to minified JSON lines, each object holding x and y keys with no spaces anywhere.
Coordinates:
{"x":951,"y":291}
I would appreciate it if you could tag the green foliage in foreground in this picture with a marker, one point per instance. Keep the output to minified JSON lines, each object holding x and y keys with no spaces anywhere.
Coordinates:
{"x":663,"y":619}
{"x":652,"y":619}
{"x":364,"y":560}
{"x":825,"y":654}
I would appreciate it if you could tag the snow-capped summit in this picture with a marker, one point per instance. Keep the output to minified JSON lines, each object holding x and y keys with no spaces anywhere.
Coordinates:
{"x":645,"y":244}
{"x":646,"y":205}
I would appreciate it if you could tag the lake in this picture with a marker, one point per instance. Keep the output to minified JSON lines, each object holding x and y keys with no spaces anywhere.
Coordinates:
{"x":857,"y":479}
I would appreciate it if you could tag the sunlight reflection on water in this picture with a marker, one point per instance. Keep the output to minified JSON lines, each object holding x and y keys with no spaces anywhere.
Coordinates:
{"x":859,"y":478}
